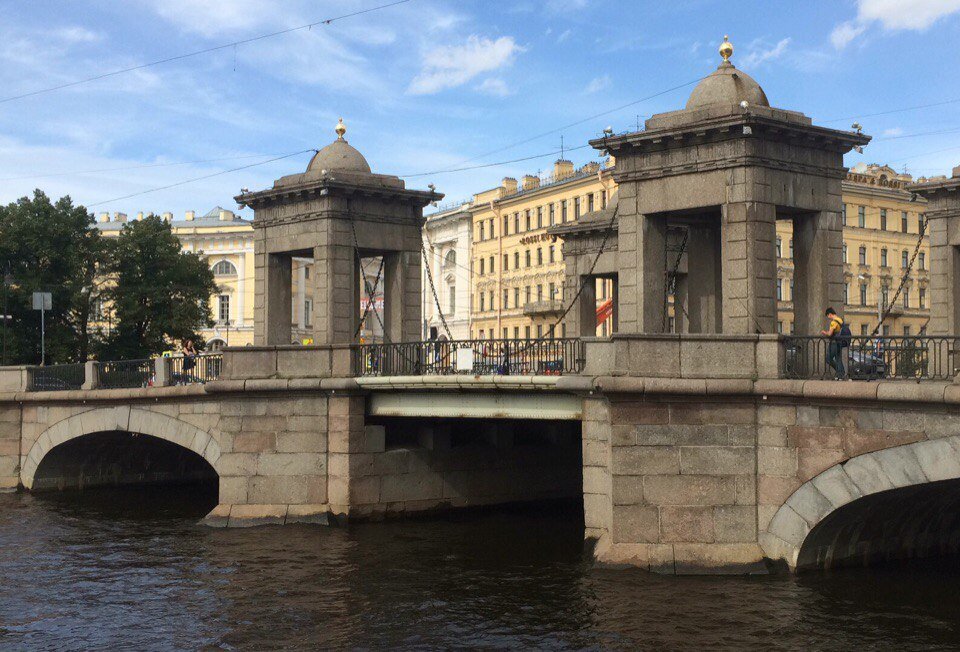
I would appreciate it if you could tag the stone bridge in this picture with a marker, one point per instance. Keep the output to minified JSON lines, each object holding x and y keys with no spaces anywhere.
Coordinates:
{"x":714,"y":474}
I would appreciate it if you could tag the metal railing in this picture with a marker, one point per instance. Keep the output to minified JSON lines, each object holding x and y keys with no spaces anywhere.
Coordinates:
{"x":533,"y":357}
{"x":873,"y":358}
{"x":125,"y":374}
{"x":56,"y":377}
{"x":194,"y":370}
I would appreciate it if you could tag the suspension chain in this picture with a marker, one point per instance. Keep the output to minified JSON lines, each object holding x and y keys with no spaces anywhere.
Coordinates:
{"x":433,"y":289}
{"x":366,"y":283}
{"x":903,"y":279}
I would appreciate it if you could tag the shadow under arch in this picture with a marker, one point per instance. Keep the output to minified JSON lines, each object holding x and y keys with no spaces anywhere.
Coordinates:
{"x":119,"y":425}
{"x":898,"y":503}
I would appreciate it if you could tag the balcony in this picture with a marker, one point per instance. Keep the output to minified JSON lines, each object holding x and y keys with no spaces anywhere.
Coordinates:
{"x":538,"y":308}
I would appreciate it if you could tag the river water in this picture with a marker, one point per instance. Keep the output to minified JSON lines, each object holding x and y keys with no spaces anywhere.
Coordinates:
{"x":132,"y":570}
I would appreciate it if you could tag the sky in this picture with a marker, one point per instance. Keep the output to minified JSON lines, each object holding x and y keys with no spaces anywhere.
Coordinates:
{"x":431,"y":85}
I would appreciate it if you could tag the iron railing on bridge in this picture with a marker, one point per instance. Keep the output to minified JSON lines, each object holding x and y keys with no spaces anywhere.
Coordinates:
{"x":194,"y":370}
{"x":118,"y":374}
{"x":56,"y":377}
{"x":521,"y":357}
{"x":878,"y":357}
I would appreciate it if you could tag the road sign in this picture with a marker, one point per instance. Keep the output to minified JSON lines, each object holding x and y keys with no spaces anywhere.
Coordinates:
{"x":42,"y":301}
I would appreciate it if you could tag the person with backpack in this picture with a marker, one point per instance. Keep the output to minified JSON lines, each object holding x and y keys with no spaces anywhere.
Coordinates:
{"x":839,"y":333}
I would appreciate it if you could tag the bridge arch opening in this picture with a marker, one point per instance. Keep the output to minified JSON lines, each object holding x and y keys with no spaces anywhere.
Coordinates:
{"x":912,"y":522}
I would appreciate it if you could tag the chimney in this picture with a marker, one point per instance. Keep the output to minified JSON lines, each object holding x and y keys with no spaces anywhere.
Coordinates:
{"x":168,"y":217}
{"x":140,"y":216}
{"x":956,"y":172}
{"x":530,"y":182}
{"x":562,"y":169}
{"x":226,"y":216}
{"x":509,"y":184}
{"x":119,"y":217}
{"x":103,"y":217}
{"x":190,"y":215}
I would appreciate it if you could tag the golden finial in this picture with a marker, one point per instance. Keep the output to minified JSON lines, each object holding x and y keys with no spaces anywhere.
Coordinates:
{"x":341,"y":129}
{"x":726,"y":49}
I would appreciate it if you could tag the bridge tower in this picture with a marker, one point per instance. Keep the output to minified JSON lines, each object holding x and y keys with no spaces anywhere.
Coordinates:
{"x":943,"y":227}
{"x":337,"y":212}
{"x":722,"y":171}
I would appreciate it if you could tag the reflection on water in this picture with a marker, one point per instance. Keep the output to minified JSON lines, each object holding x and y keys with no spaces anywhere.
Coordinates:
{"x":120,"y":570}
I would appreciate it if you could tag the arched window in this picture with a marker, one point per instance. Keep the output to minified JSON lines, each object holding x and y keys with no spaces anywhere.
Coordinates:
{"x":216,"y":344}
{"x":451,"y":258}
{"x":224,"y":268}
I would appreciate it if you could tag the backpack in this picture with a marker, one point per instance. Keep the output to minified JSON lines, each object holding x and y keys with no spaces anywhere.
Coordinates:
{"x":845,"y":335}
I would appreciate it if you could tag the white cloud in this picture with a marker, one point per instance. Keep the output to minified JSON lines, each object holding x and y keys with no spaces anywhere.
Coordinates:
{"x":565,"y":6}
{"x":844,"y":33}
{"x":597,"y":84}
{"x":759,"y":54}
{"x":893,"y":131}
{"x":906,"y":14}
{"x":494,"y":86}
{"x":564,"y":36}
{"x":893,"y":15}
{"x":449,"y":66}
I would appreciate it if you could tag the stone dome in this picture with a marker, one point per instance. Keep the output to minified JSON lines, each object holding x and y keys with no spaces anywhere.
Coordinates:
{"x":339,"y":156}
{"x":727,"y":85}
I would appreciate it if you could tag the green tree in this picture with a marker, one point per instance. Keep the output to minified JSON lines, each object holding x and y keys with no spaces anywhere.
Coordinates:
{"x":159,"y":293}
{"x":50,"y":247}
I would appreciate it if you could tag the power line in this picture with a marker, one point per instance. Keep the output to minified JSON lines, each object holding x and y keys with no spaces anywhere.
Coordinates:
{"x":187,"y":55}
{"x":489,"y":165}
{"x":132,"y":167}
{"x":201,"y":178}
{"x":891,"y":111}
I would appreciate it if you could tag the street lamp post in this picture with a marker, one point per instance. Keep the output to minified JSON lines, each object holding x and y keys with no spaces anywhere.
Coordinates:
{"x":7,"y":280}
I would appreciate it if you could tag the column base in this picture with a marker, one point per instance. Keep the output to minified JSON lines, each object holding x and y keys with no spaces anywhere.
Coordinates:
{"x":253,"y":515}
{"x":685,"y":558}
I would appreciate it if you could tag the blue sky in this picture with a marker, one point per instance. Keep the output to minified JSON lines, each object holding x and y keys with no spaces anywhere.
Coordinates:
{"x":430,"y":84}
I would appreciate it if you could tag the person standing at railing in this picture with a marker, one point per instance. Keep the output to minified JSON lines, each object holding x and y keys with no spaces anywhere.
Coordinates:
{"x":189,"y":356}
{"x":839,"y":334}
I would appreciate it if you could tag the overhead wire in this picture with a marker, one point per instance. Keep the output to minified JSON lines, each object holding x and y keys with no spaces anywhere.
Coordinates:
{"x":187,"y":55}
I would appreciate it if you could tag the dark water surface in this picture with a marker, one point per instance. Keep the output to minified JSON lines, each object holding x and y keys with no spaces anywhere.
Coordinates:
{"x":118,"y":571}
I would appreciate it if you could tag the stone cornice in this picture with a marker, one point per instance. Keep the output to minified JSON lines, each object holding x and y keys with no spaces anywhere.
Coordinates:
{"x":327,"y":186}
{"x":726,"y":163}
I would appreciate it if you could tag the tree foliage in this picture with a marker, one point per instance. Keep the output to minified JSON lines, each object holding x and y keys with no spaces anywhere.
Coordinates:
{"x":158,"y":292}
{"x":50,"y":247}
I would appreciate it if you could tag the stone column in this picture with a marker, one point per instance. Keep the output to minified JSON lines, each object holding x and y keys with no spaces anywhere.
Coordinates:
{"x":401,"y":296}
{"x":278,"y":298}
{"x":615,"y":295}
{"x":241,"y":288}
{"x":818,"y":269}
{"x":704,"y":286}
{"x":944,"y":278}
{"x":748,"y":232}
{"x":641,"y":244}
{"x":336,"y":294}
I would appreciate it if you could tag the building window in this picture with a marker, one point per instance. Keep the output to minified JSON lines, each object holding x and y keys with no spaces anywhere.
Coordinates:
{"x":551,"y":214}
{"x":791,"y":248}
{"x":483,"y":264}
{"x":563,"y":211}
{"x":846,"y":293}
{"x":526,"y":332}
{"x":553,"y":291}
{"x":904,"y":258}
{"x":516,"y":332}
{"x":492,"y":307}
{"x":539,"y":292}
{"x":845,"y":252}
{"x":481,"y":333}
{"x":481,"y":231}
{"x":223,"y":308}
{"x":516,"y":222}
{"x":506,"y":333}
{"x":526,"y":215}
{"x":539,"y":217}
{"x":779,"y":247}
{"x":483,"y":307}
{"x":516,"y":297}
{"x":779,"y":327}
{"x":551,"y":253}
{"x":506,"y":299}
{"x":863,"y":255}
{"x":791,"y":289}
{"x":920,"y":222}
{"x":884,"y":295}
{"x":603,"y":199}
{"x":904,"y":222}
{"x":491,"y":264}
{"x":527,"y":295}
{"x":906,"y":331}
{"x":843,"y":215}
{"x":922,"y":261}
{"x":506,"y":262}
{"x":863,"y":294}
{"x":886,"y":330}
{"x":906,"y":298}
{"x":492,"y":234}
{"x":516,"y":260}
{"x":863,"y":329}
{"x":506,"y":225}
{"x":779,"y":289}
{"x":539,"y":331}
{"x":576,"y":208}
{"x":883,"y":219}
{"x":923,"y":298}
{"x":308,"y":312}
{"x":527,"y":257}
{"x":590,"y":203}
{"x":452,"y":298}
{"x":883,"y":257}
{"x":224,"y":268}
{"x":539,"y":256}
{"x":862,"y":217}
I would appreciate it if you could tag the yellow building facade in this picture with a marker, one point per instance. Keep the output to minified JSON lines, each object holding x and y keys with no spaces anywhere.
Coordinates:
{"x":226,"y":242}
{"x":517,"y":269}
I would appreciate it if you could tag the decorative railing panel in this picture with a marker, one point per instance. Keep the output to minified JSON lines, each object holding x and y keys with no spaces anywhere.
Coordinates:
{"x":56,"y":377}
{"x":126,"y":373}
{"x":541,"y":357}
{"x":873,"y":357}
{"x":193,"y":370}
